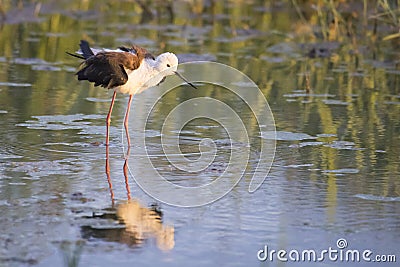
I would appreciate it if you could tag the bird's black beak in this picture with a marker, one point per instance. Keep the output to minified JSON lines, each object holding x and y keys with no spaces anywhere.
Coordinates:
{"x":186,"y":81}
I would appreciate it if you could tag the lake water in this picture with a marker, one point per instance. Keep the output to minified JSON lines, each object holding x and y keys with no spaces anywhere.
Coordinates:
{"x":334,"y":182}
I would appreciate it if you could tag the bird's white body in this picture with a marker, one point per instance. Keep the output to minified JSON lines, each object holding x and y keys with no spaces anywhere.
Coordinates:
{"x":150,"y":72}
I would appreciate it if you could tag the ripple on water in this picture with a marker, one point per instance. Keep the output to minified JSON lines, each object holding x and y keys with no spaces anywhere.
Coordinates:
{"x":12,"y":152}
{"x":38,"y":169}
{"x":141,"y":41}
{"x":9,"y":156}
{"x":152,"y":133}
{"x":273,"y":59}
{"x":296,"y":94}
{"x":30,"y":61}
{"x":38,"y":64}
{"x":335,"y":102}
{"x":377,"y":198}
{"x":286,"y":136}
{"x":76,"y":152}
{"x":190,"y":57}
{"x":11,"y":84}
{"x":74,"y":144}
{"x":59,"y":122}
{"x":347,"y":145}
{"x":326,"y":135}
{"x":97,"y":100}
{"x":304,"y":144}
{"x":94,"y":130}
{"x":244,"y":84}
{"x":283,"y":48}
{"x":299,"y":165}
{"x":392,"y":102}
{"x":342,"y":171}
{"x":46,"y":68}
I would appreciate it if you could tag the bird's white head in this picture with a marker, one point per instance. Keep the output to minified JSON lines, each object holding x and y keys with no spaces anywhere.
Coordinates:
{"x":167,"y":62}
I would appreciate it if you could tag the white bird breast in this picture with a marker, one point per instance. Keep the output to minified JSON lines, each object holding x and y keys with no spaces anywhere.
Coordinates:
{"x":142,"y":78}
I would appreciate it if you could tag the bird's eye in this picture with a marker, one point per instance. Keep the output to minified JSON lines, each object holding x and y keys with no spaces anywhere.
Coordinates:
{"x":168,"y":65}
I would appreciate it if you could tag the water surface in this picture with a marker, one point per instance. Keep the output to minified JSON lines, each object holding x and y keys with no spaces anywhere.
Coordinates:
{"x":335,"y":174}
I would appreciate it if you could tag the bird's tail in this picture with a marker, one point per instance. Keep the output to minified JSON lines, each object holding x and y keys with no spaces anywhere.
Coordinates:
{"x":75,"y":55}
{"x":85,"y":48}
{"x":85,"y":53}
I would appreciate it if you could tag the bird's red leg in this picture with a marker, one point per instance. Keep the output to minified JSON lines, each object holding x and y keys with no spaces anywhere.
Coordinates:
{"x":108,"y":119}
{"x":126,"y":120}
{"x":128,"y":108}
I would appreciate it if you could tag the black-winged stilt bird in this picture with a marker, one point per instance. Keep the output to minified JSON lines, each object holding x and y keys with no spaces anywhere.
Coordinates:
{"x":125,"y":70}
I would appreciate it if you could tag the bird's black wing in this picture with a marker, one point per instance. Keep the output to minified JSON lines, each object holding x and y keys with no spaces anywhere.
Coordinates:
{"x":107,"y":69}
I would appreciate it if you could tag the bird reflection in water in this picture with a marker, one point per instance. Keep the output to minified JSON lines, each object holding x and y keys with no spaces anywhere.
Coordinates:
{"x":109,"y":175}
{"x":133,"y":223}
{"x":142,"y":223}
{"x":126,"y":175}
